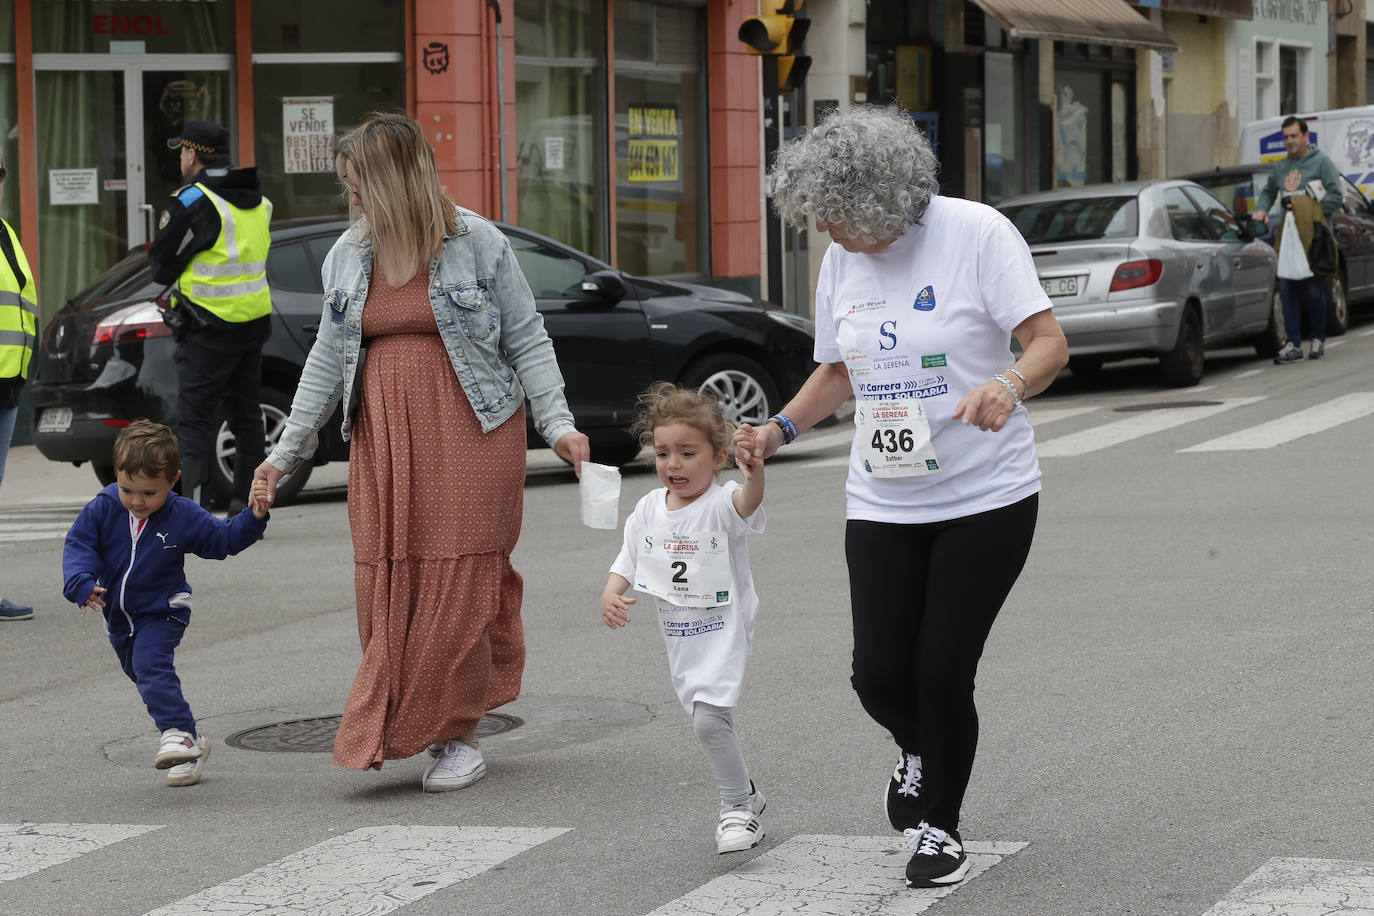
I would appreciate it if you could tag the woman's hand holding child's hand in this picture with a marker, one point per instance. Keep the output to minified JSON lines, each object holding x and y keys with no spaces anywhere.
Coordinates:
{"x":613,"y":608}
{"x":93,"y":601}
{"x":748,"y":453}
{"x":259,"y":499}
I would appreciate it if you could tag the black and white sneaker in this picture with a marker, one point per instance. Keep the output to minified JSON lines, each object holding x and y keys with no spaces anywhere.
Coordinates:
{"x":939,"y":860}
{"x":901,"y":797}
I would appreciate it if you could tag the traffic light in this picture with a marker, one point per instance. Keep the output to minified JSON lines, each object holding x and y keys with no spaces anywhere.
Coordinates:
{"x":776,"y":32}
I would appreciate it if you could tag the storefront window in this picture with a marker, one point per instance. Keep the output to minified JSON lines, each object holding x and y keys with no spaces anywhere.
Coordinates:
{"x":662,"y":224}
{"x":317,"y":25}
{"x":101,"y":27}
{"x":560,"y":129}
{"x":298,"y":111}
{"x":1003,"y":165}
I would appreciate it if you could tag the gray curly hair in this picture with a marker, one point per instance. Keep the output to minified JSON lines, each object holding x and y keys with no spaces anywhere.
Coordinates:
{"x":869,"y":168}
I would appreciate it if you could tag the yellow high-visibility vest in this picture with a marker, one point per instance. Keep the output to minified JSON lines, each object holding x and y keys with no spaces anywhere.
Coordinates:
{"x":18,"y":313}
{"x":229,"y":279}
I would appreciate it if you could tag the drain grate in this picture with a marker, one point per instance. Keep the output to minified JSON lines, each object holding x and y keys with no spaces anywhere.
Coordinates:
{"x":1166,"y":405}
{"x":313,"y":736}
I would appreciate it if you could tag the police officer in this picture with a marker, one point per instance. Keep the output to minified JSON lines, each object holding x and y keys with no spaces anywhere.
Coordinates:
{"x":18,"y":331}
{"x":212,"y":242}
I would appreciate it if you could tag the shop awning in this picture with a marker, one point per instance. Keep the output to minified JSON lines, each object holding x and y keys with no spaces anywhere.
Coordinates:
{"x":1098,"y":22}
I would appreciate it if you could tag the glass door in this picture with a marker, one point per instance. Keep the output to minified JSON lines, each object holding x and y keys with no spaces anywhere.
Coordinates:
{"x":104,"y":169}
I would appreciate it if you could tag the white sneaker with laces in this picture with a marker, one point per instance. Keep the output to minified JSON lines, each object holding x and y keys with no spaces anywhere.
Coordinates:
{"x":740,"y":828}
{"x":175,"y":748}
{"x":188,"y":773}
{"x":457,"y":767}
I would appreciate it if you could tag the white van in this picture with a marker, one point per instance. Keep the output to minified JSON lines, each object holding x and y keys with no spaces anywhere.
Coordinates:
{"x":1344,"y":134}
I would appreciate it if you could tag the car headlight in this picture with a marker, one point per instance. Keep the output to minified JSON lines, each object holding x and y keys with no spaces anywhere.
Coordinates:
{"x":795,"y":322}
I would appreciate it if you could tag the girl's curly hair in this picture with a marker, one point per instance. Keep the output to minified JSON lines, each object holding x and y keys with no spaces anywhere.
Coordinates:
{"x":663,"y":403}
{"x":869,"y":168}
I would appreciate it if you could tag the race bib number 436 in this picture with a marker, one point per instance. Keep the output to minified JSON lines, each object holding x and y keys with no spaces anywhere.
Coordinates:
{"x":894,"y":438}
{"x":689,"y":570}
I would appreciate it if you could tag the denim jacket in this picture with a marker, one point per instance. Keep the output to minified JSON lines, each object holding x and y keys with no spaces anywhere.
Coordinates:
{"x":486,"y":316}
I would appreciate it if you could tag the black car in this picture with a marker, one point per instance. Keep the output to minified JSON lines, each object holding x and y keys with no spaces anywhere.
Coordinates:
{"x":1353,"y":226}
{"x":106,"y":357}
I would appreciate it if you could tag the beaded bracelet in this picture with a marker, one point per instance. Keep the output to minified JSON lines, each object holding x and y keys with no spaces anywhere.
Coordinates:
{"x":1011,"y":389}
{"x":1025,"y":385}
{"x":784,"y":423}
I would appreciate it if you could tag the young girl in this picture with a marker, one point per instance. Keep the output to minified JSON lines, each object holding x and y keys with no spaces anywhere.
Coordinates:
{"x":685,"y":544}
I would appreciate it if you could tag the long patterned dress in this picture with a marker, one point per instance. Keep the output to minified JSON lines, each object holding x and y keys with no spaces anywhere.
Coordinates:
{"x":435,"y":507}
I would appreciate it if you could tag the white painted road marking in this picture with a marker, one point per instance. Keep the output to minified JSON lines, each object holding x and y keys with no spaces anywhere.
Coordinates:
{"x":1298,"y":887}
{"x":1317,"y":419}
{"x":365,"y":872}
{"x":27,"y":848}
{"x":1042,"y":415}
{"x":828,"y":876}
{"x":1143,"y":424}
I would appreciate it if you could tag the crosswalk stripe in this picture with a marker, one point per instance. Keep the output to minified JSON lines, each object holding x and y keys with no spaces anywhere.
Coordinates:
{"x":1316,"y":419}
{"x":1042,"y":415}
{"x":1142,"y":424}
{"x":26,"y":848}
{"x":828,"y":874}
{"x":1328,"y":886}
{"x":366,"y":872}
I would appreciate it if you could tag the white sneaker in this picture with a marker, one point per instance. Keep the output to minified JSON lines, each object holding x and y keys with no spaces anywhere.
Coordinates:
{"x":740,"y":828}
{"x":176,"y":747}
{"x":459,"y":766}
{"x":188,"y":773}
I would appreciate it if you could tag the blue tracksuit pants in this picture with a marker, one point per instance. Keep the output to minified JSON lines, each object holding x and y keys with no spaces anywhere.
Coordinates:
{"x":146,"y":657}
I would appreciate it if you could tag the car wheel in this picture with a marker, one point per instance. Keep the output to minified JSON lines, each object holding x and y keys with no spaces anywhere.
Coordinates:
{"x":1085,"y":367}
{"x":275,"y":408}
{"x":1183,"y":365}
{"x":1337,"y":308}
{"x":1271,"y":340}
{"x":105,"y":473}
{"x":743,"y":387}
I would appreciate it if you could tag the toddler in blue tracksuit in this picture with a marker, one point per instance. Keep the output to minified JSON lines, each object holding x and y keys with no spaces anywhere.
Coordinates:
{"x":125,"y":556}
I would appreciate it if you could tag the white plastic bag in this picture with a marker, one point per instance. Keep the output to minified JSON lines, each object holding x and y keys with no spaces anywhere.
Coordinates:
{"x":1292,"y":259}
{"x":600,"y":489}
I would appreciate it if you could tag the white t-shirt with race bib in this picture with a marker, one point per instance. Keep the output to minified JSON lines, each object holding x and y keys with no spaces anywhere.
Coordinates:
{"x":694,"y":562}
{"x":919,"y":325}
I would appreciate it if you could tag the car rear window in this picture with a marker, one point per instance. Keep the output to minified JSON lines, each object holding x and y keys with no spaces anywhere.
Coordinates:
{"x":122,"y":281}
{"x":1236,"y":191}
{"x":1075,"y":219}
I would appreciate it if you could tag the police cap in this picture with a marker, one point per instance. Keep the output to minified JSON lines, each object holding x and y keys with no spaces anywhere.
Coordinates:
{"x":205,"y":137}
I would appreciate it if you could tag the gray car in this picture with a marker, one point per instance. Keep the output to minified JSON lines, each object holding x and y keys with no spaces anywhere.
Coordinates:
{"x":1150,"y":268}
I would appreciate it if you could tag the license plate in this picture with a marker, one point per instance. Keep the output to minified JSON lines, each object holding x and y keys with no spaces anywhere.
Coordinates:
{"x":1060,"y":286}
{"x":55,"y":420}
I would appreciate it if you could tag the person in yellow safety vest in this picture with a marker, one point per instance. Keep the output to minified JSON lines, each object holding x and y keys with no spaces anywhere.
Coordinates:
{"x":212,"y":242}
{"x":18,"y":332}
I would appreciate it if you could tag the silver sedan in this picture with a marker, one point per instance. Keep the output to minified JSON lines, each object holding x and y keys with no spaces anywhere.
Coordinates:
{"x":1150,"y":268}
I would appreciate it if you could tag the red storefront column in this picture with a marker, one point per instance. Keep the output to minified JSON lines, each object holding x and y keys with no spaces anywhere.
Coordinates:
{"x":735,"y":102}
{"x":455,"y":98}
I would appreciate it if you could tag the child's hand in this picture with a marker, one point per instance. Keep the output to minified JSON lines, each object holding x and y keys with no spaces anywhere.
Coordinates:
{"x":93,"y":601}
{"x":259,"y":498}
{"x":613,"y":608}
{"x":746,"y":438}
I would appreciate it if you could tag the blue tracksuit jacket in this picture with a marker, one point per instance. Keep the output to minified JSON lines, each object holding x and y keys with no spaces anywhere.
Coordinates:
{"x":143,"y":573}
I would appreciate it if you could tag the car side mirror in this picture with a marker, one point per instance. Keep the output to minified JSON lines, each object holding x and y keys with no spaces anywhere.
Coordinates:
{"x":1254,"y":229}
{"x":605,"y":285}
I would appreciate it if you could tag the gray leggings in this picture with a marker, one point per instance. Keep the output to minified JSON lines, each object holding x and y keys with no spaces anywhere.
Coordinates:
{"x":716,"y":734}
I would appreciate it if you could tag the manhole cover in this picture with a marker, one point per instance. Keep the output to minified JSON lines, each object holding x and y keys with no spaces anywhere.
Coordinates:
{"x":312,"y":736}
{"x":1167,"y":405}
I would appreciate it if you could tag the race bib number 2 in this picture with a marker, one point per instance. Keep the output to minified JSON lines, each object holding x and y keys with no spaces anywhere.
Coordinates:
{"x":686,"y":569}
{"x":894,"y":438}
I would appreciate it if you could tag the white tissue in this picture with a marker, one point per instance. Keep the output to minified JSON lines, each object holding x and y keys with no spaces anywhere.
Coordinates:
{"x":600,"y":489}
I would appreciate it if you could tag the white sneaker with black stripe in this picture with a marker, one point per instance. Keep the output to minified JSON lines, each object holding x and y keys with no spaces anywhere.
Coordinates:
{"x":740,"y":828}
{"x":939,"y":860}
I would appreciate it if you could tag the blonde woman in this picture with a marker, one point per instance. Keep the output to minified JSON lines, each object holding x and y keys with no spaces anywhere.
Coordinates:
{"x":429,"y":331}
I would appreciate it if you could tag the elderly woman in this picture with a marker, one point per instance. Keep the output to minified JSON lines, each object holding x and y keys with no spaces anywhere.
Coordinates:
{"x":431,"y":293}
{"x":916,"y":304}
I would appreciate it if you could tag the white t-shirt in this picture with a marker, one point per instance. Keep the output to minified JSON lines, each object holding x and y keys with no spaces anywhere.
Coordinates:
{"x":707,"y":647}
{"x":930,"y":317}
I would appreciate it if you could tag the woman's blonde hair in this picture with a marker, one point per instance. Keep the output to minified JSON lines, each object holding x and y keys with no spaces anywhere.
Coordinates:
{"x":391,"y":165}
{"x":663,"y":403}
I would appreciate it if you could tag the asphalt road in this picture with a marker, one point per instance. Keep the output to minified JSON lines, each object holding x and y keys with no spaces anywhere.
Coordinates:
{"x":1177,"y":694}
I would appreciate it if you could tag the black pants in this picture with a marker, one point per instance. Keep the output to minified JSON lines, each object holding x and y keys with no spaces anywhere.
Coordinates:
{"x":924,"y":598}
{"x":210,"y":378}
